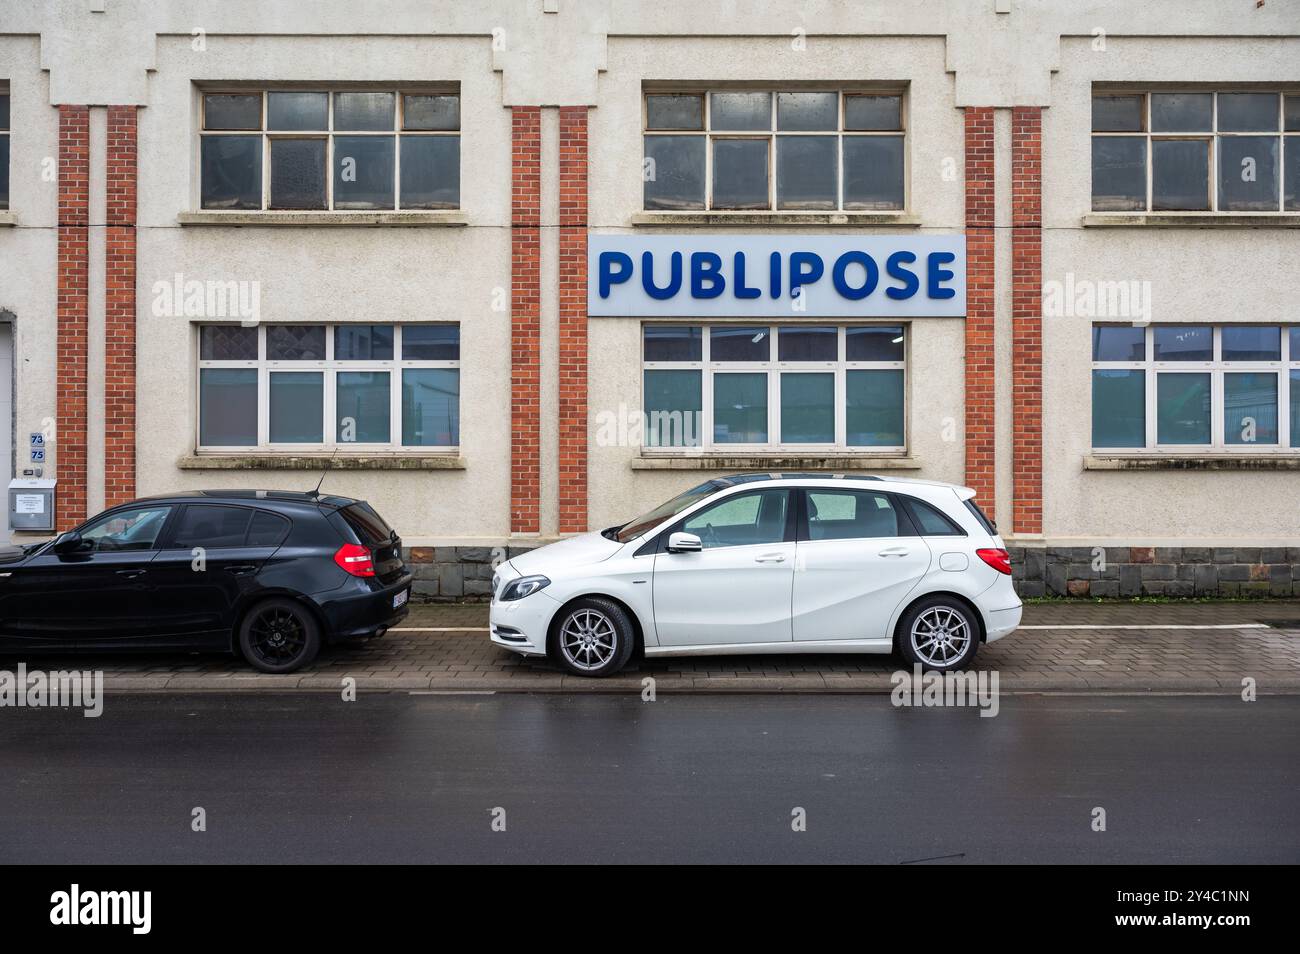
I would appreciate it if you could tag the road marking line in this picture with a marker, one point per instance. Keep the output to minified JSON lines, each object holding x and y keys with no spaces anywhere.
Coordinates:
{"x":1151,"y":626}
{"x":438,"y":629}
{"x":452,"y":692}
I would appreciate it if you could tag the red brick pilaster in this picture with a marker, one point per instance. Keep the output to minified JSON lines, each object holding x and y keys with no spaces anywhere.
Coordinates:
{"x":525,"y":318}
{"x":573,"y":319}
{"x":1027,"y":319}
{"x":979,"y":304}
{"x":72,"y":308}
{"x":119,"y":308}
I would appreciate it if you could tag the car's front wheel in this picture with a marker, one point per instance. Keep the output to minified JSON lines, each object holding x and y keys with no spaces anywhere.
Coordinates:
{"x":279,"y":636}
{"x":938,"y":633}
{"x":593,"y":637}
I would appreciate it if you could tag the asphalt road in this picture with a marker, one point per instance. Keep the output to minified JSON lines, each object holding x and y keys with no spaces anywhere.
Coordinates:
{"x":689,"y":778}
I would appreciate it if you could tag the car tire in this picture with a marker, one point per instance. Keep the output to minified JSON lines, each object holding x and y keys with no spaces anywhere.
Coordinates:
{"x":939,"y":634}
{"x":279,"y":635}
{"x":592,"y":637}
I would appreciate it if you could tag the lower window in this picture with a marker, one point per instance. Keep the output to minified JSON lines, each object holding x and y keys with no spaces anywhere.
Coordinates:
{"x":773,"y":387}
{"x":1183,"y":387}
{"x":288,"y":387}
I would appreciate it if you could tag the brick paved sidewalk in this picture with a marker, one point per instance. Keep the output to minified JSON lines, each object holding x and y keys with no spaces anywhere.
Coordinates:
{"x":446,"y":648}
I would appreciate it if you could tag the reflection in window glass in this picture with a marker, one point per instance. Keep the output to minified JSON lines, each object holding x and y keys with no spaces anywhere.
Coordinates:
{"x":1180,"y":174}
{"x":297,"y":111}
{"x":1248,"y":173}
{"x":1253,"y":343}
{"x":1184,"y":343}
{"x":1182,"y":408}
{"x":1122,"y":113}
{"x":808,"y":112}
{"x":742,"y":520}
{"x":297,"y":407}
{"x":674,"y":172}
{"x":1250,"y":407}
{"x":1181,"y":112}
{"x":227,"y":407}
{"x":227,"y":343}
{"x":430,"y":407}
{"x":740,"y":408}
{"x":295,"y":342}
{"x":1118,"y":343}
{"x":1118,"y":408}
{"x":431,"y":342}
{"x":361,"y":399}
{"x":874,"y":408}
{"x":675,"y":111}
{"x":850,"y":515}
{"x":232,"y":111}
{"x":807,"y":343}
{"x":807,"y":172}
{"x":1295,"y":407}
{"x":1119,"y":173}
{"x":430,"y":112}
{"x":363,"y":342}
{"x":430,"y":172}
{"x":363,"y":112}
{"x":807,"y":408}
{"x":871,"y":112}
{"x":1248,"y":112}
{"x":873,"y":172}
{"x":1291,"y":174}
{"x":740,"y":111}
{"x":231,"y":172}
{"x":673,"y":343}
{"x":673,"y":407}
{"x":740,"y":173}
{"x":364,"y":171}
{"x":874,"y":343}
{"x":731,"y":343}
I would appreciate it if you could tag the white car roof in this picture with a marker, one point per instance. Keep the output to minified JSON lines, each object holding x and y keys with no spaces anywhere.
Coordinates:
{"x":830,"y":480}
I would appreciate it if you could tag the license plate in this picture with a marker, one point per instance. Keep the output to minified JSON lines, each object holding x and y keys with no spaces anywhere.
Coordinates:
{"x":400,"y":598}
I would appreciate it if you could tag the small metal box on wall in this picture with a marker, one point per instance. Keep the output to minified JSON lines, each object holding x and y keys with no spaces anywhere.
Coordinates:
{"x":31,"y":503}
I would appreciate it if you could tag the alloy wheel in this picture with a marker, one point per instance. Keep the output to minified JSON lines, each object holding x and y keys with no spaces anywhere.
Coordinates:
{"x":588,"y":639}
{"x":940,"y":636}
{"x":277,"y":635}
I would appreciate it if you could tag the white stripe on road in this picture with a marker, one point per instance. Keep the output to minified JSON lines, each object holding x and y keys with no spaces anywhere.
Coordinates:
{"x":1150,"y":626}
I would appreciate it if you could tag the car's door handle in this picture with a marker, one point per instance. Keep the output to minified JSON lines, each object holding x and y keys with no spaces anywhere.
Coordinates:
{"x":241,"y":569}
{"x":770,"y":558}
{"x":894,"y":551}
{"x":131,"y":574}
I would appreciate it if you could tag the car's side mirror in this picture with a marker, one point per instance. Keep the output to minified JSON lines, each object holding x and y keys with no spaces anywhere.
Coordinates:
{"x":69,"y":542}
{"x":684,"y":543}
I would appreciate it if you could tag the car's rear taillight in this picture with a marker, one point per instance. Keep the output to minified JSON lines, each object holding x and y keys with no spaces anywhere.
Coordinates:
{"x":997,"y":558}
{"x":355,"y":559}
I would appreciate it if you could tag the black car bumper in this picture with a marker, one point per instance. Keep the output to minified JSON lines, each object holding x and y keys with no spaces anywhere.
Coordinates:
{"x":357,"y":612}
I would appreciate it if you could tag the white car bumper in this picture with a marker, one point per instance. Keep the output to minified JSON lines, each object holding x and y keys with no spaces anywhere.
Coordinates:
{"x":521,"y":625}
{"x":1002,"y":622}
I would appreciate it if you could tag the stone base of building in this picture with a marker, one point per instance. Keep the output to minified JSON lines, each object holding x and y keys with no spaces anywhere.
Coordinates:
{"x":1156,"y":571}
{"x":464,"y":574}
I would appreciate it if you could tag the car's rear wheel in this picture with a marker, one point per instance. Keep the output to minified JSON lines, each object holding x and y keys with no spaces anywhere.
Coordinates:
{"x":279,"y":636}
{"x":939,"y":633}
{"x":593,"y":637}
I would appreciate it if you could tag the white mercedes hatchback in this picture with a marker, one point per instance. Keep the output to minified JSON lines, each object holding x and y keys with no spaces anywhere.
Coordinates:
{"x":768,"y":563}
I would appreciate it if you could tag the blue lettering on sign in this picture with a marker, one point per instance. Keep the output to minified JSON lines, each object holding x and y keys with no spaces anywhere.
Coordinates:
{"x":707,"y":280}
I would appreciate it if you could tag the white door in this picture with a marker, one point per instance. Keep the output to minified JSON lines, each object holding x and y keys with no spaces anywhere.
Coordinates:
{"x":737,"y":589}
{"x":6,"y":421}
{"x":855,"y":567}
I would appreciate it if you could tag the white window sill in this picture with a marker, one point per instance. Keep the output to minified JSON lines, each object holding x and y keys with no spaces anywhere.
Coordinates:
{"x":776,"y":218}
{"x":774,"y":462}
{"x":1193,"y":220}
{"x":254,"y":461}
{"x":453,"y":217}
{"x":1149,"y":461}
{"x":8,"y":218}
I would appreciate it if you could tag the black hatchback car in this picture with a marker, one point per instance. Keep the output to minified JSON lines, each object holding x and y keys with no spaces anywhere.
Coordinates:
{"x":267,"y":574}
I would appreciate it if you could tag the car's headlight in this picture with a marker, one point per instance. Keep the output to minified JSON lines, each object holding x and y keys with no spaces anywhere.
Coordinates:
{"x":524,"y":586}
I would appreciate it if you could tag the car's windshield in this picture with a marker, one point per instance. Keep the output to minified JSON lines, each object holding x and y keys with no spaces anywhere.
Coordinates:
{"x":648,"y":521}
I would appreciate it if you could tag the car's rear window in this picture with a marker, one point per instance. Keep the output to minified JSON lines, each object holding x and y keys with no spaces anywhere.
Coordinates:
{"x":985,"y":522}
{"x":369,"y":527}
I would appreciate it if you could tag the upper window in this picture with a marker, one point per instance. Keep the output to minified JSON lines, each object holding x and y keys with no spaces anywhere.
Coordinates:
{"x":733,"y":387}
{"x":4,"y":150}
{"x":1186,"y":387}
{"x":286,"y":387}
{"x":765,"y":150}
{"x":1196,"y":151}
{"x":321,"y":149}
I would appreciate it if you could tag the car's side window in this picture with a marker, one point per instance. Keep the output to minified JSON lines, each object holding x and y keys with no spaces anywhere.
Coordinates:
{"x":211,"y":526}
{"x":125,"y":530}
{"x":931,"y":522}
{"x":267,"y":529}
{"x":742,"y":520}
{"x":851,"y":515}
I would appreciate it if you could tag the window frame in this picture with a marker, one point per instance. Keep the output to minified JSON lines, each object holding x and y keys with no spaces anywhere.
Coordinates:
{"x":775,"y":371}
{"x":329,"y":134}
{"x":772,"y":133}
{"x":6,"y":133}
{"x":1216,"y":368}
{"x":1212,"y":137}
{"x":329,"y":367}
